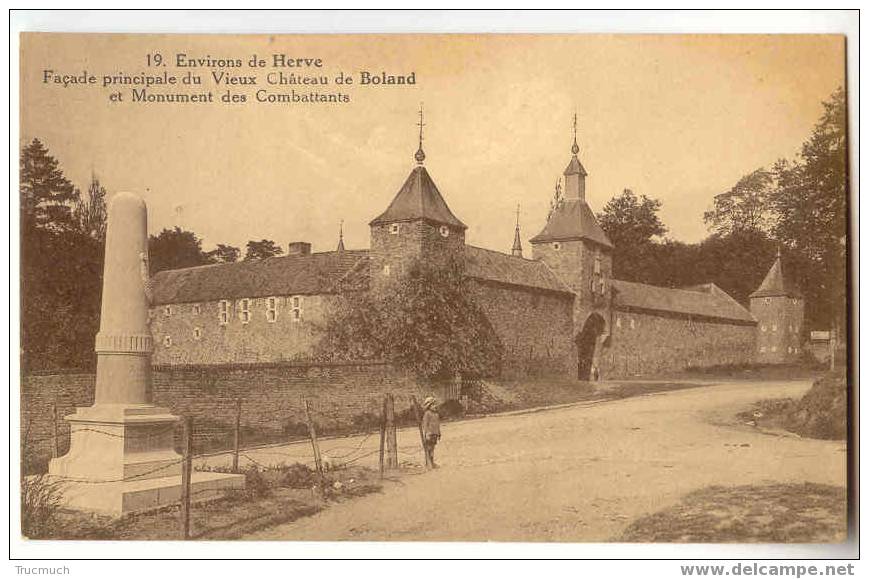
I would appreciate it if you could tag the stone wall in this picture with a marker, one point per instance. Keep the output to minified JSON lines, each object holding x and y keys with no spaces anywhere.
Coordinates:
{"x":342,"y":398}
{"x":644,"y":343}
{"x":413,"y":240}
{"x":535,"y":328}
{"x":195,"y":333}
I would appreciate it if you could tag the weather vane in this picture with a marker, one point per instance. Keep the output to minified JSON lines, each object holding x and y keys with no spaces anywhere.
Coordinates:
{"x":420,"y":155}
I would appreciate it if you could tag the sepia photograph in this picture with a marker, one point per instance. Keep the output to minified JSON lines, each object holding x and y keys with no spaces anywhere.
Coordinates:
{"x":445,"y":288}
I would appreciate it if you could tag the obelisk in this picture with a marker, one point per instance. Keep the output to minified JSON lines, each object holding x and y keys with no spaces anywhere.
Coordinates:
{"x":121,"y":457}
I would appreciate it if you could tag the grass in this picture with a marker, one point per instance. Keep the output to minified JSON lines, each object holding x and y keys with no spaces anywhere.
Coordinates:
{"x":821,"y":413}
{"x":802,"y":370}
{"x":271,"y":497}
{"x":779,"y":513}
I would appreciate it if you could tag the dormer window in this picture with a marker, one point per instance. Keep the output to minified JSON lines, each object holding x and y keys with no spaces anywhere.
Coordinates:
{"x":556,"y":246}
{"x":394,"y":228}
{"x":445,"y":231}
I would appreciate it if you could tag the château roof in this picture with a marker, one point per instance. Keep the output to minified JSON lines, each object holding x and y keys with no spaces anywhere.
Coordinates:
{"x":706,"y":301}
{"x":494,"y":266}
{"x":572,"y":219}
{"x":419,"y":198}
{"x":775,"y":284}
{"x":316,"y":273}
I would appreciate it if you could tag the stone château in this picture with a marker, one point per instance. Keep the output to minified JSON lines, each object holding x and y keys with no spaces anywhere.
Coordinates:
{"x":560,"y":312}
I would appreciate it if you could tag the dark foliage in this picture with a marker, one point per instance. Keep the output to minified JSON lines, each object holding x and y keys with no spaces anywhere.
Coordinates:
{"x":175,"y":249}
{"x":262,"y":249}
{"x":426,"y":322}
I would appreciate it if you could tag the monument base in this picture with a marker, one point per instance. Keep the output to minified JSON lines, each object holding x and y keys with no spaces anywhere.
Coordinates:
{"x":122,"y":498}
{"x":122,"y":460}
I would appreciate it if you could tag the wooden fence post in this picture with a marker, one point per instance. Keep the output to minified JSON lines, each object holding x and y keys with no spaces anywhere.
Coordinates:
{"x":382,"y":434}
{"x":186,"y":472}
{"x":313,"y":433}
{"x":236,"y":442}
{"x":391,"y":440}
{"x":55,"y":451}
{"x":417,"y":412}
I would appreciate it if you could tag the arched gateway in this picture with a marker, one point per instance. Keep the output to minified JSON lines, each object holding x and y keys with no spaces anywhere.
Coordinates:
{"x":586,"y":341}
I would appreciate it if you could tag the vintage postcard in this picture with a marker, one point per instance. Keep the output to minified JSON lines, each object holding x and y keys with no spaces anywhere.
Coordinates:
{"x":536,"y":288}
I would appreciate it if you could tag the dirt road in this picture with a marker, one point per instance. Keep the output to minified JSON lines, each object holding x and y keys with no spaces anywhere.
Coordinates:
{"x":581,"y":473}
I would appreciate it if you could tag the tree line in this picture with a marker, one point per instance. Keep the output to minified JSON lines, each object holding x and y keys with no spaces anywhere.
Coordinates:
{"x":797,"y":206}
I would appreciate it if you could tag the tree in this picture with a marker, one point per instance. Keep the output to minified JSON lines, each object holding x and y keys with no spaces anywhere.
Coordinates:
{"x":90,"y":214}
{"x":175,"y":249}
{"x":426,"y":321}
{"x":262,"y":249}
{"x":810,"y":203}
{"x":224,"y":253}
{"x":631,"y":223}
{"x":46,"y":194}
{"x":745,"y":207}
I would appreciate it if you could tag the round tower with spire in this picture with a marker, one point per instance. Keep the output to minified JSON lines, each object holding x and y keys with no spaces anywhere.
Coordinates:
{"x":779,"y":308}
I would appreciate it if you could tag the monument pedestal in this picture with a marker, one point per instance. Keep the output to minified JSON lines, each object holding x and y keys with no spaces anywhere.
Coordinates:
{"x":121,"y":460}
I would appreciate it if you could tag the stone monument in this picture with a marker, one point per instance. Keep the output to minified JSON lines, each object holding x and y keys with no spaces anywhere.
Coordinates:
{"x":121,"y":457}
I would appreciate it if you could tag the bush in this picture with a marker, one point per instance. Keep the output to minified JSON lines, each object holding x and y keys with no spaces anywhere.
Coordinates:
{"x":255,"y":484}
{"x":40,"y":505}
{"x":298,"y":476}
{"x":451,"y":409}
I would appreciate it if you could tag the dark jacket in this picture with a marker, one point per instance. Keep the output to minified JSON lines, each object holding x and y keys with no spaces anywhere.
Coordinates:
{"x":431,"y":423}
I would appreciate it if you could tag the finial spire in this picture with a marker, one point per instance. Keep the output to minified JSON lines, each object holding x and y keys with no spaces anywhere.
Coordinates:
{"x":341,"y":235}
{"x":517,"y":239}
{"x":420,"y":155}
{"x":575,"y":148}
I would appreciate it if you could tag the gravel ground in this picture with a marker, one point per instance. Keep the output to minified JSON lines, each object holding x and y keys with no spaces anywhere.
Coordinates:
{"x":580,"y":473}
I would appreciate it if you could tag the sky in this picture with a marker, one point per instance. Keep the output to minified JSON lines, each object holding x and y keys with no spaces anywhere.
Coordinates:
{"x":679,"y":118}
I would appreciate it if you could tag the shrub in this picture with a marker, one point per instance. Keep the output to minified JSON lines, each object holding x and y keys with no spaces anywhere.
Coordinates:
{"x":40,"y":505}
{"x":451,"y":409}
{"x":255,"y":484}
{"x":298,"y":476}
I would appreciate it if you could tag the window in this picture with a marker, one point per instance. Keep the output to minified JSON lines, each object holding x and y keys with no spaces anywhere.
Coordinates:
{"x":271,"y":309}
{"x":244,"y":310}
{"x":386,"y":269}
{"x":618,"y":321}
{"x":197,"y":333}
{"x":763,"y":327}
{"x":394,"y":228}
{"x":223,"y":316}
{"x":774,"y":348}
{"x":794,"y":301}
{"x":767,"y":301}
{"x":296,"y":303}
{"x":445,"y":231}
{"x":790,"y":350}
{"x":633,"y":324}
{"x":197,"y":309}
{"x":167,"y":341}
{"x":597,"y":260}
{"x":774,"y":327}
{"x":556,"y":246}
{"x":167,"y":310}
{"x":762,"y":349}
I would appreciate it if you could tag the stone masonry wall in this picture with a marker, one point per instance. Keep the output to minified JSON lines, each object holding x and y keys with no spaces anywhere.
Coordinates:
{"x":341,"y":397}
{"x":648,"y":344}
{"x":535,"y":328}
{"x":194,"y":333}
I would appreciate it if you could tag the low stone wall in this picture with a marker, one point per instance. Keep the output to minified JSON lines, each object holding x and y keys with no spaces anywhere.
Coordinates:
{"x":341,"y":397}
